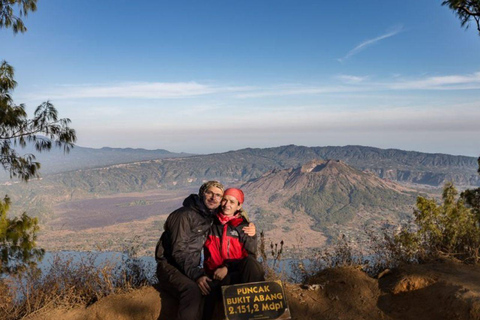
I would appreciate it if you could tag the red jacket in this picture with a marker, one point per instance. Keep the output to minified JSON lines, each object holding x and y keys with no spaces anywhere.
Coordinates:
{"x":227,"y":243}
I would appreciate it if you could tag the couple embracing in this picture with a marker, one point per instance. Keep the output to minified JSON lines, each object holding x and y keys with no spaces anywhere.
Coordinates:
{"x":212,"y":221}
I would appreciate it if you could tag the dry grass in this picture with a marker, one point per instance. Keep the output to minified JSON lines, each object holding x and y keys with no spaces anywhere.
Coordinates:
{"x":68,"y":282}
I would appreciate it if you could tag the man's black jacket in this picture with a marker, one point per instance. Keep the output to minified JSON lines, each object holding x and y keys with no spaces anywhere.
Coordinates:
{"x":182,"y":240}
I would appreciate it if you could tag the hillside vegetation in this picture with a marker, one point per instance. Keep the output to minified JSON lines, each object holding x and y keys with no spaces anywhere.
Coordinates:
{"x":246,"y":164}
{"x":336,"y":196}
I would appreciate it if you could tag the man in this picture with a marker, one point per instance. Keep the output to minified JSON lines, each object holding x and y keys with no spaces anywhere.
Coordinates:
{"x":178,"y":252}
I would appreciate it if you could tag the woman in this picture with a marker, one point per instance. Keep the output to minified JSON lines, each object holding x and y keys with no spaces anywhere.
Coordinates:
{"x":230,"y":254}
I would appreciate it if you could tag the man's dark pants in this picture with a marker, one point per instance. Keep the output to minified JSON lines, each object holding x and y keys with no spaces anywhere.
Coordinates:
{"x":184,"y":289}
{"x":243,"y":271}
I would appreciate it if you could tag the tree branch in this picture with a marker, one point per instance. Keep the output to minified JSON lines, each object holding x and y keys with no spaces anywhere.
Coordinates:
{"x":467,"y":11}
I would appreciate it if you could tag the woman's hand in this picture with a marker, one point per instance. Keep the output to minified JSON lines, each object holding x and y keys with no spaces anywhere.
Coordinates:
{"x":250,"y":230}
{"x":220,"y":273}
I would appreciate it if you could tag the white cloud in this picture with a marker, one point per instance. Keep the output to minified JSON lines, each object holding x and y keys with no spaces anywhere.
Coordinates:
{"x":342,"y":83}
{"x":295,"y":90}
{"x":356,"y":84}
{"x":351,"y":79}
{"x":140,"y":90}
{"x":370,"y":42}
{"x":450,"y":82}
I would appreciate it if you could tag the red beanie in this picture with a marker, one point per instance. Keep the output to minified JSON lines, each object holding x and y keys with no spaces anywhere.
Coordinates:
{"x":237,"y":193}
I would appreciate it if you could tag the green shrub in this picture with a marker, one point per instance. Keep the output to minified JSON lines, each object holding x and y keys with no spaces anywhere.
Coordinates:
{"x":449,"y":229}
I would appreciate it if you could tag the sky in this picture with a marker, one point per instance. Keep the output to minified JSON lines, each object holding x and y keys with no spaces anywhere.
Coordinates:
{"x":213,"y":76}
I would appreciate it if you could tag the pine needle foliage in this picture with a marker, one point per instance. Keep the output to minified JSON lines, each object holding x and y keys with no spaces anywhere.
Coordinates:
{"x":43,"y":130}
{"x":17,"y":241}
{"x":17,"y":235}
{"x":465,"y":10}
{"x":12,"y":12}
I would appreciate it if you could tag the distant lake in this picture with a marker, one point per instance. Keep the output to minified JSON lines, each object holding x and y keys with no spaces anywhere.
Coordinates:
{"x":99,"y":257}
{"x":116,"y":260}
{"x":119,"y":259}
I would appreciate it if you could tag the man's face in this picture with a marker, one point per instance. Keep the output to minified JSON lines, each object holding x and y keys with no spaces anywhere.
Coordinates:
{"x":212,"y":198}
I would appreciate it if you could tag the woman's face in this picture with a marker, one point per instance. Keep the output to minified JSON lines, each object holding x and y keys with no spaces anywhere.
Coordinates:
{"x":230,"y":205}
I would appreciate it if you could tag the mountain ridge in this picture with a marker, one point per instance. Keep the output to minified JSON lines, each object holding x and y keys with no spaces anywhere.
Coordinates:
{"x":331,"y":193}
{"x":393,"y":164}
{"x":80,"y":158}
{"x":431,"y":169}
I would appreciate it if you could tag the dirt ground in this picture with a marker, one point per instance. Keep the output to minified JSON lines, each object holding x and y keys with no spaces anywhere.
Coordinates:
{"x":441,"y":290}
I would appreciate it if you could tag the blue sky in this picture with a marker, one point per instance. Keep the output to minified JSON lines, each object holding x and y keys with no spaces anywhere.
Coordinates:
{"x":213,"y":76}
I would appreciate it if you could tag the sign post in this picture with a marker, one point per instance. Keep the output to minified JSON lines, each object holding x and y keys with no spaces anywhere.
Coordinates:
{"x":255,"y":301}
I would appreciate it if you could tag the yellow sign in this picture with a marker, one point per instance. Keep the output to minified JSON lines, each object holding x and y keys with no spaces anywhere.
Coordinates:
{"x":255,"y":301}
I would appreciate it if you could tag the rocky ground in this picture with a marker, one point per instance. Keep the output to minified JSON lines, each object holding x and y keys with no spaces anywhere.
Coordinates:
{"x":441,"y":290}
